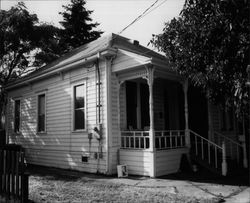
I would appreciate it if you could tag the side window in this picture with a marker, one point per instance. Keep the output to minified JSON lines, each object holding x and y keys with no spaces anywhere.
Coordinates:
{"x":79,"y":110}
{"x":41,"y":113}
{"x":17,"y":115}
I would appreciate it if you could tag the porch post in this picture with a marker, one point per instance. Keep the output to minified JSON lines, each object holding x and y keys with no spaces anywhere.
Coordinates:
{"x":187,"y":134}
{"x":150,"y":80}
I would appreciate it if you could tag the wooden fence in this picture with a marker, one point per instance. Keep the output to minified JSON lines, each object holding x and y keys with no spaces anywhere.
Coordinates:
{"x":14,"y":182}
{"x":2,"y":137}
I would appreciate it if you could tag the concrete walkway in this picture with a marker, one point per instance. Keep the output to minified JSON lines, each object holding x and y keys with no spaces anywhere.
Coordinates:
{"x":228,"y":193}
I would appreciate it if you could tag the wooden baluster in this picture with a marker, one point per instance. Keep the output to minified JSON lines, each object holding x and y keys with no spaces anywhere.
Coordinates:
{"x":202,"y":150}
{"x":238,"y":154}
{"x":215,"y":154}
{"x":165,"y":139}
{"x":134,"y":141}
{"x":196,"y":147}
{"x":224,"y":161}
{"x":140,"y":140}
{"x":176,"y":140}
{"x":208,"y":147}
{"x":181,"y":142}
{"x":231,"y":150}
{"x":170,"y":137}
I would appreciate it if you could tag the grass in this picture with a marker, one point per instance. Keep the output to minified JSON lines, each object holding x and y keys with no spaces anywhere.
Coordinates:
{"x":64,"y":188}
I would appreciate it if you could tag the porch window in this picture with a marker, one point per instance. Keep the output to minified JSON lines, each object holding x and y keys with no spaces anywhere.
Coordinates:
{"x":17,"y":112}
{"x":79,"y":107}
{"x":41,"y":113}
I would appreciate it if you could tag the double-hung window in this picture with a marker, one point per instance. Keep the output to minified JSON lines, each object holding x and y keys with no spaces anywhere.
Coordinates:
{"x":41,"y":114}
{"x":79,"y":110}
{"x":17,"y":112}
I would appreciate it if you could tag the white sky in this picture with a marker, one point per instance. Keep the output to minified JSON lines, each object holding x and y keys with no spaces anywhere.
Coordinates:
{"x":113,"y":15}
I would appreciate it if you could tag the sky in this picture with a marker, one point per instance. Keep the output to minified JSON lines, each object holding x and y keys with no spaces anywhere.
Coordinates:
{"x":113,"y":15}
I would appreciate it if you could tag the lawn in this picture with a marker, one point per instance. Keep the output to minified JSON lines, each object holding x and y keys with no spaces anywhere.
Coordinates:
{"x":68,"y":188}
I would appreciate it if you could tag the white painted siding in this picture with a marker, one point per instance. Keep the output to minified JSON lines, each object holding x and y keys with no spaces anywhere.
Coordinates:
{"x":60,"y":146}
{"x":138,"y":161}
{"x":168,"y":161}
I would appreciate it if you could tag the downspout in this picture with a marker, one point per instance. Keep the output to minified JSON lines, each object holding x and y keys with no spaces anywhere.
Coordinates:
{"x":108,"y":61}
{"x":99,"y":90}
{"x":98,"y":105}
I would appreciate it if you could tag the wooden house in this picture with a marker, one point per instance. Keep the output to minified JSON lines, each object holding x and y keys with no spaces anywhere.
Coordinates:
{"x":112,"y":102}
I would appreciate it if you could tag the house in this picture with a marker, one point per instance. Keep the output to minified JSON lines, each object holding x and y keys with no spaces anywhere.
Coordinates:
{"x":111,"y":102}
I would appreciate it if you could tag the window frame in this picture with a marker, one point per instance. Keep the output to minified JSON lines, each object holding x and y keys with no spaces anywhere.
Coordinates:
{"x":85,"y":106}
{"x":14,"y":127}
{"x":45,"y":113}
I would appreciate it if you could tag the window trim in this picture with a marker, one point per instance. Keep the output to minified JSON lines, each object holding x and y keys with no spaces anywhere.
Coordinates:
{"x":73,"y":106}
{"x":14,"y":130}
{"x":45,"y":112}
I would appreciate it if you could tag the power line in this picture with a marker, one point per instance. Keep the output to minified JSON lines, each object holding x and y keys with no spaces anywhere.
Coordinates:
{"x":156,"y":7}
{"x":139,"y":17}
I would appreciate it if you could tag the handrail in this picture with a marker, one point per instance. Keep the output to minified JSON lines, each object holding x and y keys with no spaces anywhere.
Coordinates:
{"x":200,"y":151}
{"x":172,"y":131}
{"x":228,"y":139}
{"x":212,"y":143}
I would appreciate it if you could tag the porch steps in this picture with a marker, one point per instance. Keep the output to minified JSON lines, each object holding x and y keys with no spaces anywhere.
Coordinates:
{"x":203,"y":163}
{"x":233,"y":167}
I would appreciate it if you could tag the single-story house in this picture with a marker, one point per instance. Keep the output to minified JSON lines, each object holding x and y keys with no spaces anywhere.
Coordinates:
{"x":114,"y":102}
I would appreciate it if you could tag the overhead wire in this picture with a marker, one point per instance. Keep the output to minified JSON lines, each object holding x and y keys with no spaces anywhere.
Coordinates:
{"x":139,"y":17}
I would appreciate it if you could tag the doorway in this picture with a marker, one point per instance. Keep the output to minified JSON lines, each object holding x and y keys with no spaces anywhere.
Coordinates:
{"x":198,"y":111}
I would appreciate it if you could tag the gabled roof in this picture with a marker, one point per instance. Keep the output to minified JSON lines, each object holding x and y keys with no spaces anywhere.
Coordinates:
{"x":86,"y":53}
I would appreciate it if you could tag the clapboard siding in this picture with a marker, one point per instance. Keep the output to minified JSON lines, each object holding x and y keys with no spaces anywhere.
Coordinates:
{"x":64,"y":159}
{"x":138,"y":161}
{"x":168,"y":161}
{"x":59,"y":146}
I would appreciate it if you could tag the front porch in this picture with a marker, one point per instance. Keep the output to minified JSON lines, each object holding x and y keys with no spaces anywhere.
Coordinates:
{"x":153,"y":119}
{"x":169,"y":147}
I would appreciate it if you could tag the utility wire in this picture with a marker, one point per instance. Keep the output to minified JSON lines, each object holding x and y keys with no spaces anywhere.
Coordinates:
{"x":139,"y":17}
{"x":156,"y":7}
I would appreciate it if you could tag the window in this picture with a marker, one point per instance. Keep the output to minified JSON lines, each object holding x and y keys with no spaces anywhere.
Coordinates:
{"x":79,"y":107}
{"x":17,"y":112}
{"x":41,"y":113}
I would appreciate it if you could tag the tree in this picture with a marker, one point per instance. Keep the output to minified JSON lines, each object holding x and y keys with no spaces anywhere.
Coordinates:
{"x":77,"y":26}
{"x":210,"y":44}
{"x":22,"y":44}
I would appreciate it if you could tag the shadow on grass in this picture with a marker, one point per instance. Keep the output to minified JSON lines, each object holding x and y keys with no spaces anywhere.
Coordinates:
{"x":206,"y":176}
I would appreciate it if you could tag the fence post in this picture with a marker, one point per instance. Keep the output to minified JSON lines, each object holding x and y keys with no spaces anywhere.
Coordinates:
{"x":224,"y":161}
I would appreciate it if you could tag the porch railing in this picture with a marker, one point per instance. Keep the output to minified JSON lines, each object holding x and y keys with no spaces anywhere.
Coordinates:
{"x":209,"y":152}
{"x":233,"y":148}
{"x":135,"y":139}
{"x":169,"y":139}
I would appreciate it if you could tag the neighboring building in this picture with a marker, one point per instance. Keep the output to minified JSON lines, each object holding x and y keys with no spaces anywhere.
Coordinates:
{"x":113,"y":102}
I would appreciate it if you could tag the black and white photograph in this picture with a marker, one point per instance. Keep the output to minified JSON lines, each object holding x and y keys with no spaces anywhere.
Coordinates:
{"x":124,"y":101}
